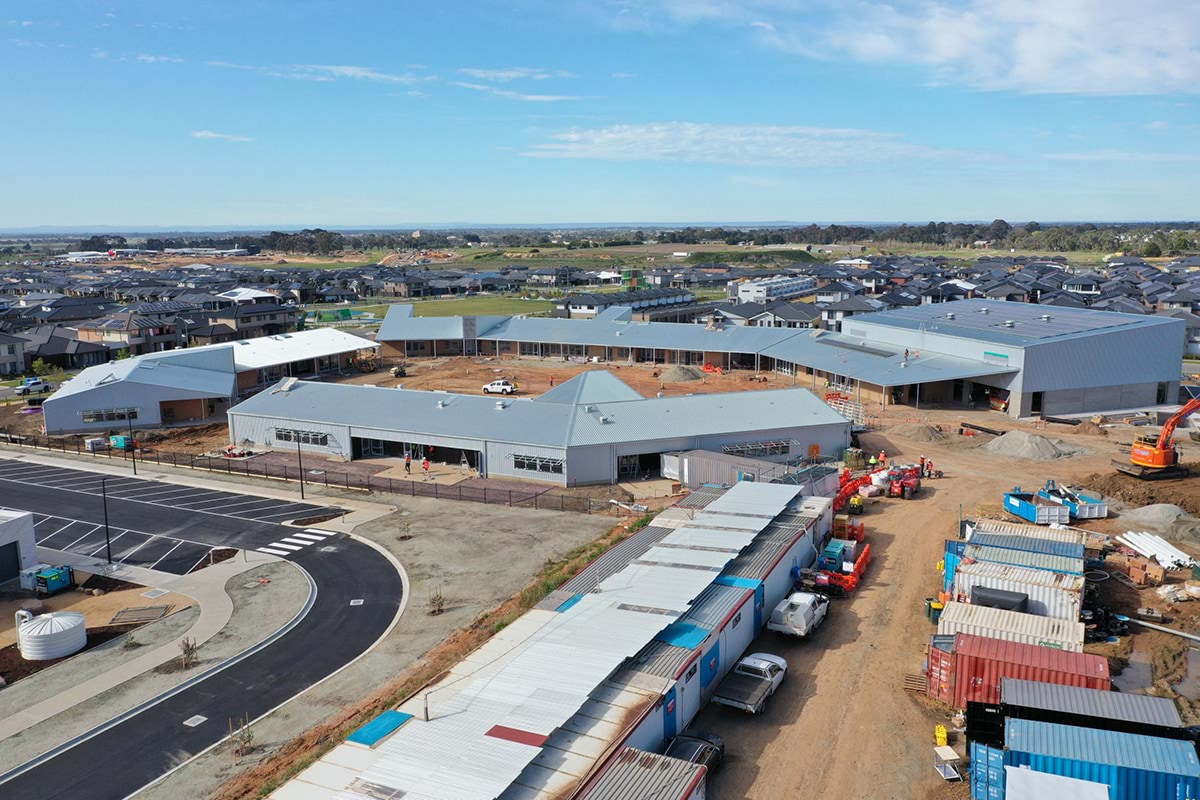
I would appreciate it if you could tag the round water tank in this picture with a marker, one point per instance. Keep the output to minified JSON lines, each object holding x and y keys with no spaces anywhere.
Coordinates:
{"x":54,"y":635}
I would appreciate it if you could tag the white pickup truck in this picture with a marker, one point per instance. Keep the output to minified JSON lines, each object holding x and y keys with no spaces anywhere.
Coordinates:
{"x":799,"y":614}
{"x":751,"y":682}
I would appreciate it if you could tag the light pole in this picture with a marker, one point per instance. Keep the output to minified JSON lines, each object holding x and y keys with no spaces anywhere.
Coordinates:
{"x":300,"y":463}
{"x":107,"y":539}
{"x":132,"y":444}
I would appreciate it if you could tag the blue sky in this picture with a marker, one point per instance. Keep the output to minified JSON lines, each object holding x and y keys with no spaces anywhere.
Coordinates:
{"x":314,"y":112}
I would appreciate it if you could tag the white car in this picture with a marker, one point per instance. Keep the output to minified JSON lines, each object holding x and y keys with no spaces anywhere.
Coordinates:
{"x":34,"y":386}
{"x":499,"y":387}
{"x":763,"y":665}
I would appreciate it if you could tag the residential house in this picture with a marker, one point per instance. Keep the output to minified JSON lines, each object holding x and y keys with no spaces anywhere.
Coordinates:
{"x":786,"y":315}
{"x":837,"y":291}
{"x":1192,"y":332}
{"x":130,"y":332}
{"x":60,"y":347}
{"x":12,"y":354}
{"x":833,"y":315}
{"x":1085,"y":285}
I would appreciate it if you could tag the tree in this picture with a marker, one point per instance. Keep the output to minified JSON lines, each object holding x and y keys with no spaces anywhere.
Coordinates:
{"x":122,"y":354}
{"x":40,"y":367}
{"x":1151,"y":250}
{"x":1032,"y":227}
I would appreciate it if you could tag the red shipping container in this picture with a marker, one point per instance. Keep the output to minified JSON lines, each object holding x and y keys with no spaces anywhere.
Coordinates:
{"x":972,"y":671}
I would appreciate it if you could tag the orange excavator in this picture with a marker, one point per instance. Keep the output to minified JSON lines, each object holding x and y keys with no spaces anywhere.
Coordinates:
{"x":1153,"y":456}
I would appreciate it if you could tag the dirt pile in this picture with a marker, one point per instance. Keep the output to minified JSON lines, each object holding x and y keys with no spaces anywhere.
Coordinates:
{"x":680,"y":373}
{"x":917,"y":432}
{"x":1019,"y":444}
{"x":1184,"y":493}
{"x":1089,"y":428}
{"x":1159,"y":516}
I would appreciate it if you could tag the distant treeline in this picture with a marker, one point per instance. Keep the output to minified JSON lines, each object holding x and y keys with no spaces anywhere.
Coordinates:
{"x":1148,"y":239}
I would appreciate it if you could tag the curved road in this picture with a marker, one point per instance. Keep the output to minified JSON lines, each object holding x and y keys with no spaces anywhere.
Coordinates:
{"x":125,"y":758}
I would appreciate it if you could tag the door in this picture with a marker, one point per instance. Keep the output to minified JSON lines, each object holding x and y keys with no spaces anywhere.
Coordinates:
{"x":669,"y":724}
{"x":10,"y":561}
{"x":1035,"y":403}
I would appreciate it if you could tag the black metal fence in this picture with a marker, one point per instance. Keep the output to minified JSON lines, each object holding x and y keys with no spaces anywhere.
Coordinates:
{"x":520,"y":497}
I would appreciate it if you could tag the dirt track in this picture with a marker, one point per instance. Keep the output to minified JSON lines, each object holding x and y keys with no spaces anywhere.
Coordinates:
{"x":842,"y":726}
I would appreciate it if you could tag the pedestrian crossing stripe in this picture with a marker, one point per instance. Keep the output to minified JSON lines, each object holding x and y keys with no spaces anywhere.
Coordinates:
{"x":290,"y":547}
{"x":273,"y":552}
{"x":320,"y":532}
{"x":306,"y":537}
{"x":301,"y":542}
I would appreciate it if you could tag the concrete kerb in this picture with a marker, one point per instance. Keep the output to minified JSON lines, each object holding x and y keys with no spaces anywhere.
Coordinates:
{"x":407,"y":593}
{"x":96,"y":731}
{"x":358,"y":511}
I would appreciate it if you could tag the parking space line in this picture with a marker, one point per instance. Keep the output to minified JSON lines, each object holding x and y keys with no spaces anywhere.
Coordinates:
{"x":139,"y":547}
{"x":60,"y":530}
{"x":164,"y":555}
{"x":80,"y":539}
{"x":112,"y":540}
{"x":205,"y":499}
{"x":272,"y":552}
{"x":291,"y":513}
{"x":154,"y":490}
{"x":251,"y":502}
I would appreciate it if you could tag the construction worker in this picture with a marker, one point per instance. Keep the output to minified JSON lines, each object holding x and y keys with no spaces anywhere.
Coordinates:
{"x":922,"y":465}
{"x":425,"y":466}
{"x":929,"y":469}
{"x":408,"y":463}
{"x":551,"y":381}
{"x":873,"y":462}
{"x":883,"y":458}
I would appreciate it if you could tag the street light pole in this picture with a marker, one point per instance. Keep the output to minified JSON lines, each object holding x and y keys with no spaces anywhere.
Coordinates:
{"x":107,"y":538}
{"x":300,"y":463}
{"x":132,"y":444}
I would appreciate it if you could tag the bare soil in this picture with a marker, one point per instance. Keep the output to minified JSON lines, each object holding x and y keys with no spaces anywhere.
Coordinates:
{"x":13,"y":667}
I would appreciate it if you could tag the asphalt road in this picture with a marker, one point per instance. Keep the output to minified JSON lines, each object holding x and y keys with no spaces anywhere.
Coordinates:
{"x":135,"y":752}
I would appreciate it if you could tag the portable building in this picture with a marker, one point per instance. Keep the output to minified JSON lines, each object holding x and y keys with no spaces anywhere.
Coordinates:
{"x":969,"y":669}
{"x":1056,"y":534}
{"x":1055,"y":544}
{"x":1049,"y":594}
{"x":1133,"y":767}
{"x":1012,"y":626}
{"x":637,"y":774}
{"x":958,"y":552}
{"x":1122,"y":712}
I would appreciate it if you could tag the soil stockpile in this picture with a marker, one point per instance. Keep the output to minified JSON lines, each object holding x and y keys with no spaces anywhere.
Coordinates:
{"x":1181,"y":492}
{"x":1158,"y":516}
{"x":917,"y":433}
{"x":1019,"y":444}
{"x":680,"y":373}
{"x":1089,"y":428}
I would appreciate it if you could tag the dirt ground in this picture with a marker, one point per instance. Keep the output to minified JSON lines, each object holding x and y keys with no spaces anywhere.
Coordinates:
{"x":842,"y":726}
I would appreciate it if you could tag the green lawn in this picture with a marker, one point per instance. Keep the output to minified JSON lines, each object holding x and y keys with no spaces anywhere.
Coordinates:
{"x":499,"y":305}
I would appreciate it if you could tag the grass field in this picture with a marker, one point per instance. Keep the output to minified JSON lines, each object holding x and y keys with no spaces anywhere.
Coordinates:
{"x":499,"y":305}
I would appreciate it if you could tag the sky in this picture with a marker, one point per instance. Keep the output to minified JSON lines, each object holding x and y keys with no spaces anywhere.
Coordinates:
{"x":349,"y":113}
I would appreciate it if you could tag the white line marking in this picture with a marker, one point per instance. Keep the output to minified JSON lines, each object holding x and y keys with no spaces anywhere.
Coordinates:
{"x":283,"y":546}
{"x":80,"y":539}
{"x":149,"y":539}
{"x":307,"y":536}
{"x":294,"y":540}
{"x":60,"y":530}
{"x":111,"y":540}
{"x":320,"y":532}
{"x":250,"y":502}
{"x":192,"y":722}
{"x":164,"y":555}
{"x":272,"y":552}
{"x":280,"y":514}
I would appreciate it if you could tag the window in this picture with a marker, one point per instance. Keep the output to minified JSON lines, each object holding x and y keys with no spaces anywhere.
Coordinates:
{"x":538,"y":464}
{"x":109,"y":414}
{"x":691,"y":673}
{"x":303,"y":437}
{"x":736,"y":620}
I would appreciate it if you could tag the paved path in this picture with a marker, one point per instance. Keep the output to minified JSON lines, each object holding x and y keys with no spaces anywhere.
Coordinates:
{"x":359,"y":594}
{"x":206,"y":587}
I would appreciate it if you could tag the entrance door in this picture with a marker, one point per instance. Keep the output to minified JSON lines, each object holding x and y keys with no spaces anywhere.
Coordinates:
{"x":1035,"y":403}
{"x":10,"y":562}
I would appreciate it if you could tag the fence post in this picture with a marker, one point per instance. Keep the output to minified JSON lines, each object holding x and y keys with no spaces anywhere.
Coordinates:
{"x":535,"y":498}
{"x":562,"y":502}
{"x":510,"y":498}
{"x":347,"y":480}
{"x":412,"y":486}
{"x":285,"y":477}
{"x":435,"y":491}
{"x":325,"y":475}
{"x":77,"y":451}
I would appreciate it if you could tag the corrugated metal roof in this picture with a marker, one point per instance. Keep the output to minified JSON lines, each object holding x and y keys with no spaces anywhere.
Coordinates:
{"x":545,"y":424}
{"x":616,"y":559}
{"x":187,"y":381}
{"x":1071,"y":535}
{"x":1032,"y":655}
{"x":645,"y":776}
{"x":1091,"y":702}
{"x":715,"y":604}
{"x":661,"y":659}
{"x":754,"y":500}
{"x":1170,"y":756}
{"x":593,"y":386}
{"x":1029,"y":544}
{"x":1023,"y":558}
{"x":1025,"y":575}
{"x":997,"y":619}
{"x":701,"y":497}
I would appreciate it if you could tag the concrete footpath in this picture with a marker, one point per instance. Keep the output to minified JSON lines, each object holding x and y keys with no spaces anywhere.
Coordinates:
{"x":206,"y":587}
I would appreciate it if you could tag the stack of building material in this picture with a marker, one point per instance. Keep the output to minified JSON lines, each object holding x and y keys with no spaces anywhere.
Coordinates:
{"x":1157,"y":548}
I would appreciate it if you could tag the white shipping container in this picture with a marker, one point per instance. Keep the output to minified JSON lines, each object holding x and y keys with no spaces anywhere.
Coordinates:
{"x":1068,"y":535}
{"x":1051,"y":594}
{"x":1011,"y":626}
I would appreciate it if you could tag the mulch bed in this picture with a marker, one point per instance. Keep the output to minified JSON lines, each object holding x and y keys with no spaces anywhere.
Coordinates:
{"x":13,"y":667}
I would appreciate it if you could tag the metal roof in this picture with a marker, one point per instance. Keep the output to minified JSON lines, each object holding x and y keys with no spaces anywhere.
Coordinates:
{"x":182,"y":377}
{"x":284,"y":348}
{"x":956,"y":616}
{"x":987,"y":570}
{"x":615,"y":559}
{"x":1067,"y":534}
{"x":971,"y":322}
{"x":1028,"y":544}
{"x":701,"y":497}
{"x":1124,"y":706}
{"x":593,"y":386}
{"x":1031,"y":655}
{"x":637,"y":774}
{"x":1132,"y":751}
{"x":1024,"y":558}
{"x":661,"y":659}
{"x":546,"y":424}
{"x":715,"y":604}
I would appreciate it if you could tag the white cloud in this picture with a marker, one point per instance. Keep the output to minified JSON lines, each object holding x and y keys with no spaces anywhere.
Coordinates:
{"x":756,"y":145}
{"x":528,"y":98}
{"x":228,"y":137}
{"x":98,"y":53}
{"x":1122,"y":156}
{"x":148,"y":59}
{"x":1157,"y":125}
{"x":324,"y":72}
{"x":1099,"y":47}
{"x":515,"y":73}
{"x":623,"y":75}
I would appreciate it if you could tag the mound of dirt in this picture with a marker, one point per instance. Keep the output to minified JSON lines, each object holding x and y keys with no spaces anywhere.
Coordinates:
{"x":680,"y":373}
{"x":1019,"y":444}
{"x":1159,"y":516}
{"x":917,"y":432}
{"x":1089,"y":428}
{"x":1184,"y":493}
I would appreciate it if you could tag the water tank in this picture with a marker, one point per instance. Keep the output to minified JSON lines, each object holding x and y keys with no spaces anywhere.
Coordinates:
{"x":54,"y":635}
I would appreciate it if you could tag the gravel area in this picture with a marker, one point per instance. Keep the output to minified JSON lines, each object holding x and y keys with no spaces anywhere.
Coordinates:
{"x":258,"y":611}
{"x":477,"y":555}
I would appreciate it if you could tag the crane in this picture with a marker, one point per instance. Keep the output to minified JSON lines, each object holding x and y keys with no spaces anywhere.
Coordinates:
{"x":1153,"y":456}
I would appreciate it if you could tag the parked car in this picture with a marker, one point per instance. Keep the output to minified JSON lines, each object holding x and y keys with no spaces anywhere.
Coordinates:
{"x":751,"y":682}
{"x":499,"y":387}
{"x":799,"y":614}
{"x":34,"y":386}
{"x":698,"y":747}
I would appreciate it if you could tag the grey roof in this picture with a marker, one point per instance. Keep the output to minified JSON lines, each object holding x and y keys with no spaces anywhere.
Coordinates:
{"x":545,"y":424}
{"x":1024,"y":558}
{"x":1141,"y":708}
{"x":637,"y":774}
{"x":970,"y":322}
{"x":593,"y":386}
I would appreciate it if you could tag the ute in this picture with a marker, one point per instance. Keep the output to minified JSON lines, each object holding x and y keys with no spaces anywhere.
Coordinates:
{"x":499,"y":387}
{"x":1153,"y":456}
{"x":751,"y":682}
{"x":799,"y":614}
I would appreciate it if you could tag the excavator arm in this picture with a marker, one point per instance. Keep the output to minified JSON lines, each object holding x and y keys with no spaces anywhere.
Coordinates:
{"x":1168,"y":428}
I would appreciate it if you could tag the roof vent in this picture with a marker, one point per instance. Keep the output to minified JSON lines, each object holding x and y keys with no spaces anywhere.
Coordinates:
{"x":983,"y":310}
{"x":500,"y":405}
{"x":441,"y":404}
{"x":1008,"y":323}
{"x":903,"y":364}
{"x":604,"y":420}
{"x":1045,"y":317}
{"x":949,"y":315}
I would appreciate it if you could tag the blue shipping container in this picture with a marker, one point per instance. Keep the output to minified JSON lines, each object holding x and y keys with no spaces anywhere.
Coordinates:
{"x":1134,"y":767}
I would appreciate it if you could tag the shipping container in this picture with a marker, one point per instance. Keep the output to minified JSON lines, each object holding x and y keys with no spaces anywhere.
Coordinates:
{"x":1050,"y":544}
{"x":1057,"y":534}
{"x":1011,"y":626}
{"x":971,"y":668}
{"x":1134,"y":767}
{"x":1121,"y":712}
{"x":1000,"y":555}
{"x":1051,"y":594}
